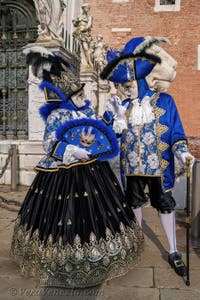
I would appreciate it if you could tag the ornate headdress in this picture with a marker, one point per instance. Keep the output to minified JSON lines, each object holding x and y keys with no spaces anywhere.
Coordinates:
{"x":59,"y":80}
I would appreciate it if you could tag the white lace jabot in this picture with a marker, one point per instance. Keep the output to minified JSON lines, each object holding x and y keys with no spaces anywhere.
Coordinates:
{"x":142,"y":112}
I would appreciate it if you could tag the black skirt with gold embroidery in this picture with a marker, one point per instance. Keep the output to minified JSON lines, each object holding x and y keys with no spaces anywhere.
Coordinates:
{"x":75,"y":228}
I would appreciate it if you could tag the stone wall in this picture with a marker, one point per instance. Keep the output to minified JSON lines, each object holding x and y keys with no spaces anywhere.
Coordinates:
{"x":28,"y":155}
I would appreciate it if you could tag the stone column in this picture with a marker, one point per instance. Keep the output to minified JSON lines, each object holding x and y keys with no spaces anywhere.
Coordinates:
{"x":90,"y":79}
{"x":35,"y":100}
{"x":96,"y":90}
{"x":104,"y":95}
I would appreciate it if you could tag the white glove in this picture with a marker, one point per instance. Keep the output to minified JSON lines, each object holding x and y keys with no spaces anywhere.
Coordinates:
{"x":121,"y":110}
{"x":115,"y":101}
{"x":112,"y":104}
{"x":73,"y":153}
{"x":185,"y":155}
{"x":80,"y":153}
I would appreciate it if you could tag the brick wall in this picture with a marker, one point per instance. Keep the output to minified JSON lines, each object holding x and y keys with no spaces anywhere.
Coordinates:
{"x":182,"y":28}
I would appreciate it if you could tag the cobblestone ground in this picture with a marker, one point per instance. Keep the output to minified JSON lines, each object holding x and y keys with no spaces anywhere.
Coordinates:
{"x":151,"y":279}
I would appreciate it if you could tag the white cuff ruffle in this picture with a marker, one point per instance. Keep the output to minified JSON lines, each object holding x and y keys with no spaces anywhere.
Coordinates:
{"x":119,"y":125}
{"x":68,"y":157}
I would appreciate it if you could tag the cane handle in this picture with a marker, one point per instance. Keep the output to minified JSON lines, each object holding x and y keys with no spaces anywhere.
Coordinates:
{"x":188,"y":164}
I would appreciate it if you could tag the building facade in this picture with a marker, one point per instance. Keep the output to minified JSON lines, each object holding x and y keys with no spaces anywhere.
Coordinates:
{"x":117,"y":21}
{"x":177,"y":20}
{"x":20,"y":123}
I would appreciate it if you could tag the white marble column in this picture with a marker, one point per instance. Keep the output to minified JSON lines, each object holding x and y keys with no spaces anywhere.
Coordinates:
{"x":90,"y":79}
{"x":35,"y":100}
{"x":104,"y":95}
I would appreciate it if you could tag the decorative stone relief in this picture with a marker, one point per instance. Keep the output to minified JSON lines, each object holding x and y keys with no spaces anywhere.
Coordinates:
{"x":82,"y":32}
{"x":50,"y":15}
{"x":99,"y":50}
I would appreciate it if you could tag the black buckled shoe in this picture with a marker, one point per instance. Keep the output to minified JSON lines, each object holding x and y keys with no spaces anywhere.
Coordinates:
{"x":176,"y":262}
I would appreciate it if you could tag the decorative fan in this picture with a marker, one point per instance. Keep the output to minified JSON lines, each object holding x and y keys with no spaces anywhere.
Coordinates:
{"x":92,"y":135}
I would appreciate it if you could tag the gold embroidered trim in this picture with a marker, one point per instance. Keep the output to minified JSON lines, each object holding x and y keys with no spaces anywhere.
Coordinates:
{"x":77,"y":164}
{"x":158,"y":111}
{"x":169,"y":190}
{"x":143,"y":175}
{"x":178,"y":142}
{"x":162,"y":146}
{"x":45,"y":170}
{"x":164,"y":163}
{"x":53,"y":153}
{"x":76,"y":265}
{"x":66,"y":166}
{"x":47,"y":99}
{"x":45,"y":94}
{"x":107,"y":122}
{"x":160,"y":129}
{"x":123,"y":147}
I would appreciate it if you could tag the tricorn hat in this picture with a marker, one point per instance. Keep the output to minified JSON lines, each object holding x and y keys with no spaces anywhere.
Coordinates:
{"x":133,"y":62}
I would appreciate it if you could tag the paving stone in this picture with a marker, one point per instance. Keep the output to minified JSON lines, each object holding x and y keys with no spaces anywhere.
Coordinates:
{"x":119,"y":293}
{"x":15,"y":287}
{"x":19,"y":194}
{"x":150,"y":258}
{"x":6,"y":230}
{"x":168,"y":279}
{"x":150,"y":215}
{"x":152,"y":278}
{"x":6,"y":226}
{"x":194,"y":261}
{"x":7,"y":215}
{"x":8,"y":267}
{"x":92,"y":293}
{"x":174,"y":294}
{"x":137,"y":277}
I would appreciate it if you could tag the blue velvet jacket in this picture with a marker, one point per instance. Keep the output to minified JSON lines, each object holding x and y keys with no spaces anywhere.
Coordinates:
{"x":170,"y":136}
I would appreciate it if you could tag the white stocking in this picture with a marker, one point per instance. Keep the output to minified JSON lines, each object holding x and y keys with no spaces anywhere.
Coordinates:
{"x":138,"y":215}
{"x":168,"y":223}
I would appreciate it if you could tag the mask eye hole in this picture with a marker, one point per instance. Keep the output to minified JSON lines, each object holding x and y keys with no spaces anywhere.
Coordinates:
{"x":126,"y":85}
{"x":80,"y":94}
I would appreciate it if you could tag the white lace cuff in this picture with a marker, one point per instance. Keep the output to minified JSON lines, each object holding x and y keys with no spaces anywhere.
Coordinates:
{"x":119,"y":125}
{"x":68,"y":157}
{"x":179,"y":148}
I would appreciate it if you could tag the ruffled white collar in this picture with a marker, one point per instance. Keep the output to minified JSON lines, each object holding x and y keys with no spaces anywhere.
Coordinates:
{"x":142,"y":112}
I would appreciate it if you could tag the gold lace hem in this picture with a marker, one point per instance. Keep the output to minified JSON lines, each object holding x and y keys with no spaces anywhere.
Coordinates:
{"x":77,"y":265}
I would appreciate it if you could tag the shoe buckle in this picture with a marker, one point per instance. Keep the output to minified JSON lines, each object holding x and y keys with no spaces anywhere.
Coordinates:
{"x":178,"y":263}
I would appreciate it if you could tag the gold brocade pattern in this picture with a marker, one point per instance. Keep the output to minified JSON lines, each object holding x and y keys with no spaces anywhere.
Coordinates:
{"x":162,"y":146}
{"x":76,"y":265}
{"x":160,"y":129}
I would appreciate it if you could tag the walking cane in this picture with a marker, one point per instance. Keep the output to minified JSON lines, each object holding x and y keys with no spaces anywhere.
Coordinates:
{"x":187,"y":219}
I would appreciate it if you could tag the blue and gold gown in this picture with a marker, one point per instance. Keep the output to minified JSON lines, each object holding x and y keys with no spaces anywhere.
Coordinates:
{"x":75,"y":228}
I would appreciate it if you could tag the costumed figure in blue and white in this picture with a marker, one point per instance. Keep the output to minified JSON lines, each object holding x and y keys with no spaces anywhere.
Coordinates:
{"x":154,"y":137}
{"x":74,"y":228}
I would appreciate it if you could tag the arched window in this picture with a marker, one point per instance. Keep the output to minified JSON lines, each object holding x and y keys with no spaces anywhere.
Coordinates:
{"x":18,"y":27}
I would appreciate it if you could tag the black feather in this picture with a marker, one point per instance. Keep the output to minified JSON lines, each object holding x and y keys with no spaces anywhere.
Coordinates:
{"x":123,"y":58}
{"x":148,"y":43}
{"x":47,"y":76}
